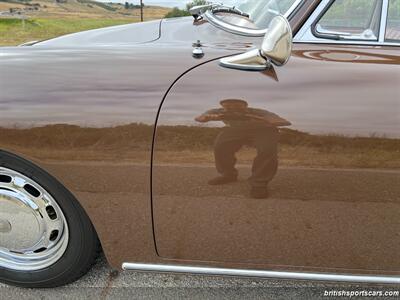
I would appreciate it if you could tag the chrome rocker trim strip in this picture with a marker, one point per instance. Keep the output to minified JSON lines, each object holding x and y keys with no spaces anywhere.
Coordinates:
{"x":259,"y":273}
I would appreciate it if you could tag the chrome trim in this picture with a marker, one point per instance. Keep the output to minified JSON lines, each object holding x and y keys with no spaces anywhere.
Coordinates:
{"x":305,"y":34}
{"x":384,"y":15}
{"x":292,"y":8}
{"x":277,"y":44}
{"x":200,"y":9}
{"x":259,"y":273}
{"x":354,"y":43}
{"x":248,"y":61}
{"x":276,"y":48}
{"x":242,"y":30}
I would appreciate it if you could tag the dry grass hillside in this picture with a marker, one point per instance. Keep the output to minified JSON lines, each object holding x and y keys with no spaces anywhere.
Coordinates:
{"x":27,"y":20}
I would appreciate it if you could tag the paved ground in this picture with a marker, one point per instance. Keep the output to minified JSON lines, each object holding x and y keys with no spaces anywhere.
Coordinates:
{"x":104,"y":283}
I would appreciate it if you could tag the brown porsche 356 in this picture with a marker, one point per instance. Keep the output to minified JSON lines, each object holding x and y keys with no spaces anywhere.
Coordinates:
{"x":255,"y":140}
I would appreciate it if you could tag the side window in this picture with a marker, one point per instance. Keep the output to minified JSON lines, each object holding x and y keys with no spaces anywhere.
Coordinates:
{"x":351,"y":20}
{"x":393,"y":22}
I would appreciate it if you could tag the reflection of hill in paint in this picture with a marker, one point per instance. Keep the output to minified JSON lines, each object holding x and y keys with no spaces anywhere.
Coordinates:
{"x":169,"y":138}
{"x":128,"y":140}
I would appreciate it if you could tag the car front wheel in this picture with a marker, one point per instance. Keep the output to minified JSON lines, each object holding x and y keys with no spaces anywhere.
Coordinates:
{"x":46,"y":238}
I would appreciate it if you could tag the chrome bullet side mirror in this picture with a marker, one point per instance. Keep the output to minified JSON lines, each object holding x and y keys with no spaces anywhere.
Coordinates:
{"x":276,"y":48}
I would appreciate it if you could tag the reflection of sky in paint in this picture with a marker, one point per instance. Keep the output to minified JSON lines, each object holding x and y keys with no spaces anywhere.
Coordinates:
{"x":330,"y":105}
{"x":114,"y":94}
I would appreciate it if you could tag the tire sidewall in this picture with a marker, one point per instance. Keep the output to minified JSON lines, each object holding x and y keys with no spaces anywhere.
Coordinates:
{"x":81,"y":241}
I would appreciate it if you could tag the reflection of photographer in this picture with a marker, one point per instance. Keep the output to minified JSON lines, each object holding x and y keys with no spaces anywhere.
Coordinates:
{"x":245,"y":126}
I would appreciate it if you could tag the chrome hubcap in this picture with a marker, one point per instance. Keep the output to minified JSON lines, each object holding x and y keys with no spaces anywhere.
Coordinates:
{"x":33,"y":229}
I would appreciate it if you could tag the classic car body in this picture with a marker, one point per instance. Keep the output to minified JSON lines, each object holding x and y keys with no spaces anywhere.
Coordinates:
{"x":111,"y":115}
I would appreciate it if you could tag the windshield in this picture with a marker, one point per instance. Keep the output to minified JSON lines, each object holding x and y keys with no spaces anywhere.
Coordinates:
{"x":262,"y":11}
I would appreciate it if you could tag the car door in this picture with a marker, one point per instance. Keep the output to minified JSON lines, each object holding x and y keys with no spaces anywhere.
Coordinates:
{"x":334,"y":192}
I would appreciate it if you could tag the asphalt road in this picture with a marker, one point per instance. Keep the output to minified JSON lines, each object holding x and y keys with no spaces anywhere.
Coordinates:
{"x":104,"y":283}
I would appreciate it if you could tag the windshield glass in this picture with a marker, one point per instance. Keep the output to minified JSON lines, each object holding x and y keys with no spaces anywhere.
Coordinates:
{"x":262,"y":11}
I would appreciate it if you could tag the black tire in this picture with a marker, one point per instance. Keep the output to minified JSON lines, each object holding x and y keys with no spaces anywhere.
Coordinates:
{"x":83,"y":245}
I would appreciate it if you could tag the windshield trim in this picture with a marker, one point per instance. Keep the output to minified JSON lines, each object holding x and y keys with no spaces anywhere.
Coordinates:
{"x":217,"y":22}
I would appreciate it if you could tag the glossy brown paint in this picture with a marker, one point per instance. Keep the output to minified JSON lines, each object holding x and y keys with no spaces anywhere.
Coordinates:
{"x":322,"y":215}
{"x":89,"y":94}
{"x":86,"y":115}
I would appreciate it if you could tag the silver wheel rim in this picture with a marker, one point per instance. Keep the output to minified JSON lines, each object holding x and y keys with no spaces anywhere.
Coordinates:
{"x":33,"y":229}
